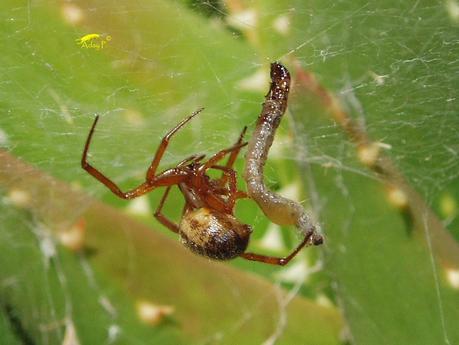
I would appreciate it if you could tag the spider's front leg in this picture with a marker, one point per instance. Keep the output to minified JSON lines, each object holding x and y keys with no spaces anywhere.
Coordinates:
{"x":232,"y":158}
{"x":140,"y":190}
{"x":235,"y":153}
{"x":163,"y":146}
{"x":219,"y":156}
{"x":151,"y":182}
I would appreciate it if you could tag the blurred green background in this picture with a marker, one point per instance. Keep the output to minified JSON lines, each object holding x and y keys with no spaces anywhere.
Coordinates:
{"x":369,"y":145}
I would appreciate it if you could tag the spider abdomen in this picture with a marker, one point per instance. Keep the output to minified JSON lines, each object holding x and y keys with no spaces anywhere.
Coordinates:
{"x":213,"y":234}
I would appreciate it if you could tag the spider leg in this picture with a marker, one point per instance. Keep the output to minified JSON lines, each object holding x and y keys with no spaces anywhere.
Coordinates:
{"x":241,"y":195}
{"x":229,"y":175}
{"x":185,"y":209}
{"x":213,"y":200}
{"x":191,"y":199}
{"x":232,"y":157}
{"x":279,"y":261}
{"x":166,"y":178}
{"x":234,"y":154}
{"x":164,"y":143}
{"x":161,"y":217}
{"x":194,"y":158}
{"x":226,"y":197}
{"x":140,"y":190}
{"x":219,"y":156}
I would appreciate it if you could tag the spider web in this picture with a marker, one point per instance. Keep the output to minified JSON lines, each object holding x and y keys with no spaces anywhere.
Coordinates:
{"x":389,"y":70}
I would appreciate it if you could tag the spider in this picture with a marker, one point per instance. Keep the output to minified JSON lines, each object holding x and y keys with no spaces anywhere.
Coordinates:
{"x":208,"y":226}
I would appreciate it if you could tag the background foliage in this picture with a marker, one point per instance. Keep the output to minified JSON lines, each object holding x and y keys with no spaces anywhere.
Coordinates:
{"x":370,"y":143}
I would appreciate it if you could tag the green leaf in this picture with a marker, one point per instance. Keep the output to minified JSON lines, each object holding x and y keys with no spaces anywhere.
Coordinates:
{"x":372,"y":76}
{"x":161,"y":63}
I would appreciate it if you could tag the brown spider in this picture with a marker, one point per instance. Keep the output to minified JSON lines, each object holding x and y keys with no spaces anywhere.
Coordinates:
{"x":208,"y":226}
